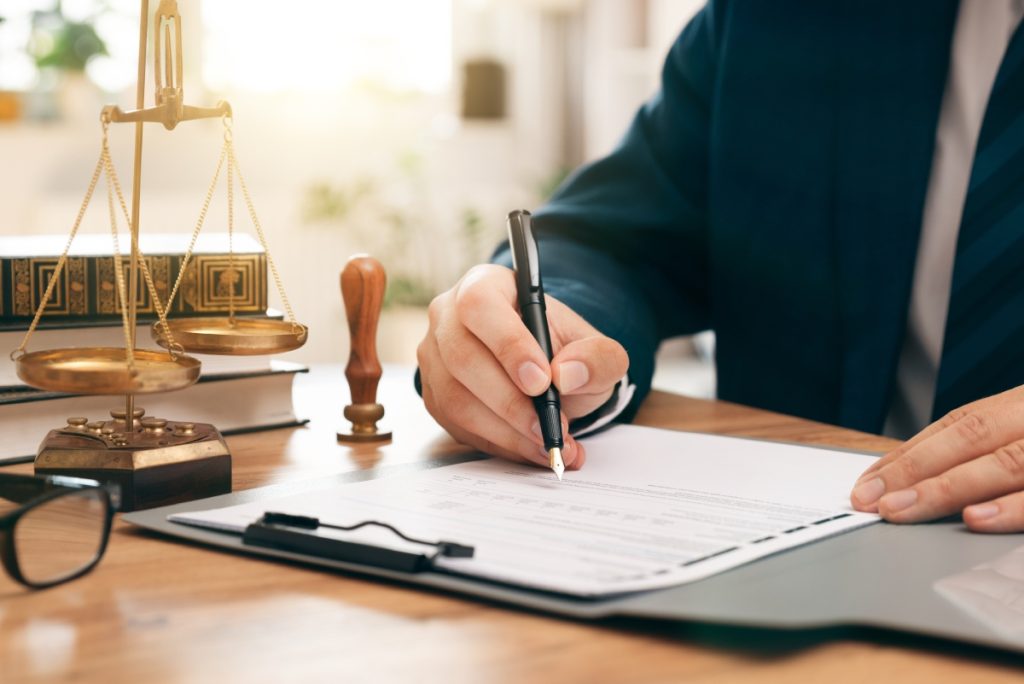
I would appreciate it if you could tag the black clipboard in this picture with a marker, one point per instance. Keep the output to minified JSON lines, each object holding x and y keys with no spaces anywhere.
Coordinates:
{"x":298,"y":534}
{"x":880,"y":576}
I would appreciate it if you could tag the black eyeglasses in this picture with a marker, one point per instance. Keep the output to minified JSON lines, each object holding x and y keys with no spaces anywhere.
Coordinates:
{"x":59,"y":528}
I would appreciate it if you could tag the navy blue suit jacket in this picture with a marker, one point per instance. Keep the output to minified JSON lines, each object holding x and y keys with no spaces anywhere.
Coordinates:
{"x":772,"y":191}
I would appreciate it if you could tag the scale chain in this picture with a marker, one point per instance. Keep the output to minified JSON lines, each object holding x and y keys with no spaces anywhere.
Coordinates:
{"x":199,"y":225}
{"x":259,"y":232}
{"x":228,"y":153}
{"x":232,"y":276}
{"x":118,"y":265}
{"x":105,"y":166}
{"x":173,"y":347}
{"x":61,"y":261}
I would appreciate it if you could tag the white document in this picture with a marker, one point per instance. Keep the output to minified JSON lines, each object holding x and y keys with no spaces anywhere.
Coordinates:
{"x":651,"y":508}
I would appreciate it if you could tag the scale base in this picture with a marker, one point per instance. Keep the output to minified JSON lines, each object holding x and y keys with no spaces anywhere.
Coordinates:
{"x":157,"y":462}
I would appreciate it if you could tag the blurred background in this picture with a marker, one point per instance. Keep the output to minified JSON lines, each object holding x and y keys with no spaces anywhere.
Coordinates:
{"x":402,"y":128}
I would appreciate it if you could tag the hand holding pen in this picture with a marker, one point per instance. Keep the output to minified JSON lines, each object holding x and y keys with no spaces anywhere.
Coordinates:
{"x":480,"y":368}
{"x":533,"y":311}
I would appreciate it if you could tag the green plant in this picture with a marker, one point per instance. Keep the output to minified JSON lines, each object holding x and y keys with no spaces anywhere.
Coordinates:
{"x":395,"y":216}
{"x":405,"y":290}
{"x":473,"y":231}
{"x":326,"y":203}
{"x":392,"y":217}
{"x":60,"y":43}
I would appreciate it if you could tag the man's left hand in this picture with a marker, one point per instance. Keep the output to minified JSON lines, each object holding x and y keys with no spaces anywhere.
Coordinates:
{"x":971,"y":461}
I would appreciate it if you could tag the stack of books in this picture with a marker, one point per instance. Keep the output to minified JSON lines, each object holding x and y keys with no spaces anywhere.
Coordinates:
{"x":234,"y":393}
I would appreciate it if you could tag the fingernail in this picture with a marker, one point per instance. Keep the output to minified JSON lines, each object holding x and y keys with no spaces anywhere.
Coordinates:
{"x":569,"y":451}
{"x":866,"y":474}
{"x":579,"y":458}
{"x":982,"y":511}
{"x":573,"y":375}
{"x":869,"y":492}
{"x":897,"y":501}
{"x":533,"y":379}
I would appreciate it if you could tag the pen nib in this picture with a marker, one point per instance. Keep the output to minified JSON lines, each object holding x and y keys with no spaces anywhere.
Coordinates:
{"x":555,"y":461}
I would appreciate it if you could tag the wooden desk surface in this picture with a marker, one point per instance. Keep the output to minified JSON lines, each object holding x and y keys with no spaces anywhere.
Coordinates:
{"x":157,"y":611}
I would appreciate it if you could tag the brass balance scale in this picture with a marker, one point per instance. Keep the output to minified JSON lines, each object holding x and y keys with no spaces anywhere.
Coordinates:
{"x":155,"y":460}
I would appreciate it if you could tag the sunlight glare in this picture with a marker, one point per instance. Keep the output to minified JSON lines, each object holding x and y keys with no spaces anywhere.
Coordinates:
{"x":327,"y":45}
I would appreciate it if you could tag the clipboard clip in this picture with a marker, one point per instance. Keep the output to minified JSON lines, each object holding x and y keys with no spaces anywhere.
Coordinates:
{"x":294,"y":533}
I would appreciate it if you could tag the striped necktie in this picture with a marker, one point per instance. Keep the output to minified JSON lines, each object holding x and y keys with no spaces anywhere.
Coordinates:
{"x":983,"y":348}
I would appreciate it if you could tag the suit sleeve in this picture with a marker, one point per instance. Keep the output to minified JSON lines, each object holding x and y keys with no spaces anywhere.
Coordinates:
{"x":623,"y":242}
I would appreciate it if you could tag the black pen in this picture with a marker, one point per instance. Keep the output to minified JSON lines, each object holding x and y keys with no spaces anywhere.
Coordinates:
{"x":530,"y":293}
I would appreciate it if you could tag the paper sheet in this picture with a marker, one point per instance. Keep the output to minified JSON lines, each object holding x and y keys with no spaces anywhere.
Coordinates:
{"x":651,"y":508}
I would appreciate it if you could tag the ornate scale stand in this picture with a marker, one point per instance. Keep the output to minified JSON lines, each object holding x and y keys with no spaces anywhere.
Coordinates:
{"x":156,"y":461}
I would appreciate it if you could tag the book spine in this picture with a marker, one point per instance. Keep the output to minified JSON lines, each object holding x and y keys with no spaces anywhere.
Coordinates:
{"x":87,"y":287}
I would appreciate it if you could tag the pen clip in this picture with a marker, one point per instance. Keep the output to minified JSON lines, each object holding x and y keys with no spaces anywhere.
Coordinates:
{"x":525,"y":257}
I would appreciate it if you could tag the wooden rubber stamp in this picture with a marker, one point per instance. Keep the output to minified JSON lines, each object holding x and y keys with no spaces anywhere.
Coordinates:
{"x":362,"y":289}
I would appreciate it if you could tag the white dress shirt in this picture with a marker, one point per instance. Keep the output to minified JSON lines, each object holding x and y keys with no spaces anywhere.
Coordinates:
{"x":983,"y":32}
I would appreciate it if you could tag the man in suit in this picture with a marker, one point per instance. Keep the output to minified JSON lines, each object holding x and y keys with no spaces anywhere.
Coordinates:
{"x":837,"y":190}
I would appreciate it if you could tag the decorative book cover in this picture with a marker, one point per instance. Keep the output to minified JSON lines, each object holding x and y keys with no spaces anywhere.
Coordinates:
{"x":86,"y":289}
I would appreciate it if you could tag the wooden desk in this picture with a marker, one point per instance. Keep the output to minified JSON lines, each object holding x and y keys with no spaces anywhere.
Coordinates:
{"x":156,"y":610}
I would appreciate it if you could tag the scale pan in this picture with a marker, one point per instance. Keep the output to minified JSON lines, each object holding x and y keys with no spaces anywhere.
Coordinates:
{"x":243,"y":337}
{"x":104,"y":370}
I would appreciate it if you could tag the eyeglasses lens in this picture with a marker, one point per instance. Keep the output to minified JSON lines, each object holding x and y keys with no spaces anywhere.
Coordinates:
{"x":61,"y":536}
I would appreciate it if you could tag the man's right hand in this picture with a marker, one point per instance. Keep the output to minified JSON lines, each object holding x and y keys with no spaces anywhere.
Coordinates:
{"x":479,"y":366}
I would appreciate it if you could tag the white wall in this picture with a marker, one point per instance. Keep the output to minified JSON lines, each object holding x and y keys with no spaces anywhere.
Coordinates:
{"x":625,"y":44}
{"x":286,"y":143}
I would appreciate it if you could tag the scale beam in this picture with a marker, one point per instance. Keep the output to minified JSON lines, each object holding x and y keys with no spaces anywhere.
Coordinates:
{"x":169,"y":113}
{"x":170,"y":108}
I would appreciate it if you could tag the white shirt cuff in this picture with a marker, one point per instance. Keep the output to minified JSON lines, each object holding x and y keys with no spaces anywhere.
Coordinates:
{"x":611,"y":409}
